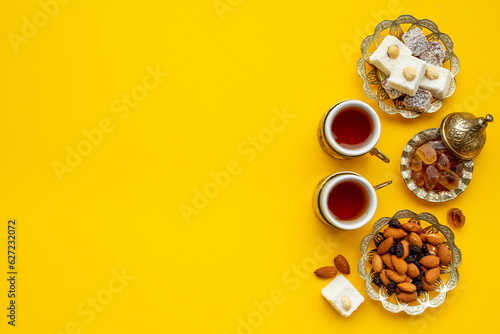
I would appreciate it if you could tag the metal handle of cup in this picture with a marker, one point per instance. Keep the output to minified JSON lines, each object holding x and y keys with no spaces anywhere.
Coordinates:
{"x":376,"y":152}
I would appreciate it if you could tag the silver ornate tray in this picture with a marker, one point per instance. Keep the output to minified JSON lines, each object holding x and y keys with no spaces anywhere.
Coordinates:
{"x":425,"y":300}
{"x":372,"y":76}
{"x":431,"y":196}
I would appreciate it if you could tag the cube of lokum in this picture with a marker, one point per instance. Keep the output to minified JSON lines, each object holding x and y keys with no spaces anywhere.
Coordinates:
{"x":415,"y":40}
{"x":437,"y":81}
{"x":430,"y":58}
{"x":393,"y":93}
{"x":437,"y":49}
{"x":384,"y":60}
{"x":342,"y":295}
{"x":407,"y":74}
{"x":419,"y":102}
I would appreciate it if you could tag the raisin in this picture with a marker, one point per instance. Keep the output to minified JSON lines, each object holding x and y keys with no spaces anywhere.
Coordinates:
{"x":414,"y":249}
{"x":410,"y":258}
{"x":425,"y":250}
{"x":417,"y":263}
{"x":400,"y":250}
{"x":391,"y":288}
{"x":392,"y":250}
{"x":417,"y":282}
{"x":419,"y":256}
{"x":376,"y":280}
{"x":395,"y":223}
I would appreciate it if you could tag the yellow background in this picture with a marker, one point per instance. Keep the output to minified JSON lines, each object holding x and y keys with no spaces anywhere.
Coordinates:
{"x":119,"y":209}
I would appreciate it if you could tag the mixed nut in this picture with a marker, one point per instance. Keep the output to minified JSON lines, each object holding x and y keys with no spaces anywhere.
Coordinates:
{"x":407,"y":259}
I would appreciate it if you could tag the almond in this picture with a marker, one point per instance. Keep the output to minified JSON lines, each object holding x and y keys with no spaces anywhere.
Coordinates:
{"x":399,"y":264}
{"x":426,"y":286}
{"x":444,"y":255}
{"x":408,"y":279}
{"x":432,"y":275}
{"x":412,"y":227}
{"x":395,"y":233}
{"x":431,"y":249}
{"x":406,"y":297}
{"x":412,"y":270}
{"x":342,"y":264}
{"x":384,"y":278}
{"x":406,"y":247}
{"x":346,"y":301}
{"x":415,"y":239}
{"x":387,"y":260}
{"x":326,"y":272}
{"x":430,"y":261}
{"x":423,"y":237}
{"x":407,"y":287}
{"x":394,"y":276}
{"x":377,"y":263}
{"x":435,"y":239}
{"x":385,"y":246}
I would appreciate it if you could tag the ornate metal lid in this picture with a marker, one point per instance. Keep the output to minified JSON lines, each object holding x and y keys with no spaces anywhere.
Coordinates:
{"x":464,"y":134}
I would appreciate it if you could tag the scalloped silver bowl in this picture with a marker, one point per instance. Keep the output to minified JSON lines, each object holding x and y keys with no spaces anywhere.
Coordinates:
{"x":431,"y":196}
{"x":372,"y":76}
{"x":424,"y":300}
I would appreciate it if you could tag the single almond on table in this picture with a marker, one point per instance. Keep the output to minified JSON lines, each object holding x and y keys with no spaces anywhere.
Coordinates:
{"x":406,"y":297}
{"x":444,"y":255}
{"x":412,"y":227}
{"x":394,"y":276}
{"x":407,"y":287}
{"x":413,"y":270}
{"x":432,"y":275}
{"x":395,"y":233}
{"x":385,"y":246}
{"x":415,"y":239}
{"x":430,"y":261}
{"x":399,"y":264}
{"x":342,"y":264}
{"x":384,"y":278}
{"x":326,"y":272}
{"x":377,"y":263}
{"x":387,"y":258}
{"x":435,"y":239}
{"x":406,"y":247}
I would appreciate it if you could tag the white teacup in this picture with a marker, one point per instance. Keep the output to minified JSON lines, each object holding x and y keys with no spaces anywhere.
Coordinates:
{"x":361,"y":201}
{"x":330,"y":143}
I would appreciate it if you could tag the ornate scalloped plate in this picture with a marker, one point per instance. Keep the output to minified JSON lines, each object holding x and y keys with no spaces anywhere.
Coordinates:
{"x":425,"y":300}
{"x":372,"y":76}
{"x":431,"y":196}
